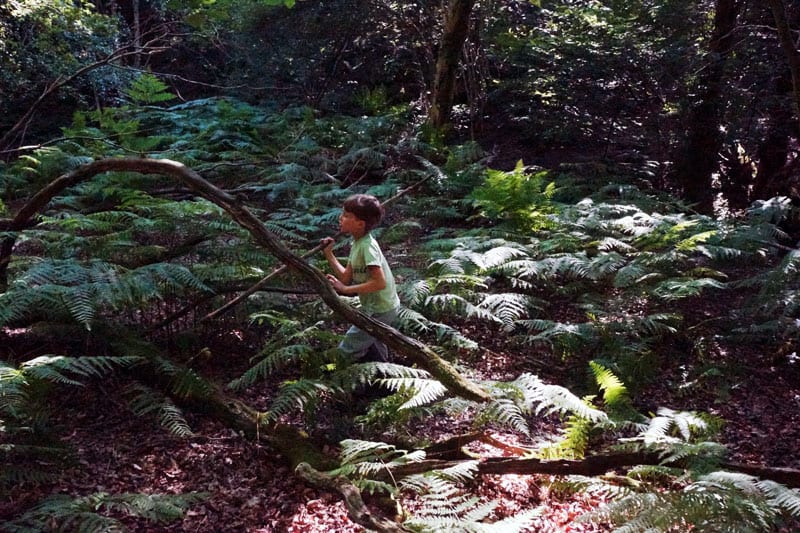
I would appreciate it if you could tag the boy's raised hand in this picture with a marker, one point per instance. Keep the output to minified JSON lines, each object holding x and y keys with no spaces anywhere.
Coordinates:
{"x":327,"y":244}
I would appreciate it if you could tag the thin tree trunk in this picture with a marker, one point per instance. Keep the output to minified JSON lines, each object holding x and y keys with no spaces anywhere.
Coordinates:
{"x":698,"y":159}
{"x":456,"y":27}
{"x":789,"y":48}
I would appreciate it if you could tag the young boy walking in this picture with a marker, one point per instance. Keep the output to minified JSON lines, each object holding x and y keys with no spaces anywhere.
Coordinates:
{"x":366,"y":275}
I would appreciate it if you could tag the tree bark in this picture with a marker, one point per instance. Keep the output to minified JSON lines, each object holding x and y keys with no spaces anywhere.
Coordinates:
{"x":594,"y":465}
{"x":414,"y":350}
{"x":456,"y":27}
{"x":698,"y":159}
{"x":789,"y":48}
{"x":357,"y":511}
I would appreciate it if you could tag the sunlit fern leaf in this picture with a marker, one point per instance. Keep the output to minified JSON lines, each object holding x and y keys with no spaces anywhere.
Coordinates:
{"x":419,"y":324}
{"x":450,"y":266}
{"x":445,"y":507}
{"x":365,"y":458}
{"x":507,"y":307}
{"x":781,"y":496}
{"x":772,"y":211}
{"x":425,"y":391}
{"x":506,"y":412}
{"x":703,"y":505}
{"x":414,"y":293}
{"x":610,"y":244}
{"x":605,"y":265}
{"x":457,"y":304}
{"x":355,"y":451}
{"x":667,"y":421}
{"x":388,"y":374}
{"x":615,"y":394}
{"x":557,"y":399}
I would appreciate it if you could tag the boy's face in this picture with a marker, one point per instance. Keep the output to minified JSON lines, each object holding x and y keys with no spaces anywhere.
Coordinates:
{"x":349,"y":223}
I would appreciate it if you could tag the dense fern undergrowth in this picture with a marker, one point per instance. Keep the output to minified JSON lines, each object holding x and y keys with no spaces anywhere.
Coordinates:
{"x":564,"y":267}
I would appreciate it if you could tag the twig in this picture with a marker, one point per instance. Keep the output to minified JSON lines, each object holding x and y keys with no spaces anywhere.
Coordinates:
{"x":258,"y":286}
{"x":356,"y":509}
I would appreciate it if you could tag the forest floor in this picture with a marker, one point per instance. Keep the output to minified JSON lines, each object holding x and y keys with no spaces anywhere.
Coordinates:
{"x":252,"y":490}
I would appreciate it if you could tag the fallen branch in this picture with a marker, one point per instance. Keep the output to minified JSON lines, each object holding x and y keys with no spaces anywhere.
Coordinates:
{"x":283,"y":268}
{"x":356,"y":509}
{"x":593,"y":465}
{"x":412,"y":349}
{"x":255,"y":288}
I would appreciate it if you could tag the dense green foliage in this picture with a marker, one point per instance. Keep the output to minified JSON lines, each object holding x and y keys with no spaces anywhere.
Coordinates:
{"x":591,"y":264}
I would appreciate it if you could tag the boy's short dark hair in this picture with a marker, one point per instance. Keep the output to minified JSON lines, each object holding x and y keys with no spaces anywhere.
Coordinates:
{"x":366,"y":207}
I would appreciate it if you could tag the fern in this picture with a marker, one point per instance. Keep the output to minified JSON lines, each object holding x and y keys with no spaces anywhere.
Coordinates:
{"x":144,"y":401}
{"x":719,"y":501}
{"x":300,"y":394}
{"x":445,"y":508}
{"x":83,"y":513}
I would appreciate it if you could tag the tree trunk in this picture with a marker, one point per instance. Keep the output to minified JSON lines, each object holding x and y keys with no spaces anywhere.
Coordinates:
{"x":699,"y":156}
{"x":789,"y":48}
{"x":774,"y":151}
{"x":414,"y":350}
{"x":456,"y":27}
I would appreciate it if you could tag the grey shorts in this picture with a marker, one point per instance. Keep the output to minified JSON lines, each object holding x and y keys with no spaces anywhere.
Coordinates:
{"x":357,"y":342}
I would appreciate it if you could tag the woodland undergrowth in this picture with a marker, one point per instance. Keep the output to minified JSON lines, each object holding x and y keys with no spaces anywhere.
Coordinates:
{"x":567,"y":268}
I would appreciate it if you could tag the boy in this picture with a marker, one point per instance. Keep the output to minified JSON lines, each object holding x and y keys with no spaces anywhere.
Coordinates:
{"x":367,"y":275}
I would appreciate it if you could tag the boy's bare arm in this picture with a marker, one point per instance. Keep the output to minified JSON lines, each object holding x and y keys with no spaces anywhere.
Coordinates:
{"x":374,"y":283}
{"x":342,"y":273}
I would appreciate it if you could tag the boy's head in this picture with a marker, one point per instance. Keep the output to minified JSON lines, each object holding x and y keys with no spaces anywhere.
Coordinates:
{"x":365,"y":207}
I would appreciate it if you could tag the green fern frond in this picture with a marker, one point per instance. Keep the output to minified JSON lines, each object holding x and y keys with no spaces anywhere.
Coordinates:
{"x":677,"y":289}
{"x":184,"y":382}
{"x":557,"y":399}
{"x":507,"y":307}
{"x":82,"y":513}
{"x":144,"y":401}
{"x":445,"y":507}
{"x":504,"y":411}
{"x":566,"y":337}
{"x":424,"y":391}
{"x":781,"y":496}
{"x":34,"y":474}
{"x":13,"y":390}
{"x":615,"y":393}
{"x":277,"y":359}
{"x":299,"y":394}
{"x":718,"y":502}
{"x":362,"y":458}
{"x":684,"y":423}
{"x":55,"y":368}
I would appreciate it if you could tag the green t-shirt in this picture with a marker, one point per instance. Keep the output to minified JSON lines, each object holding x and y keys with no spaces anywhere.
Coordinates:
{"x":366,"y":252}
